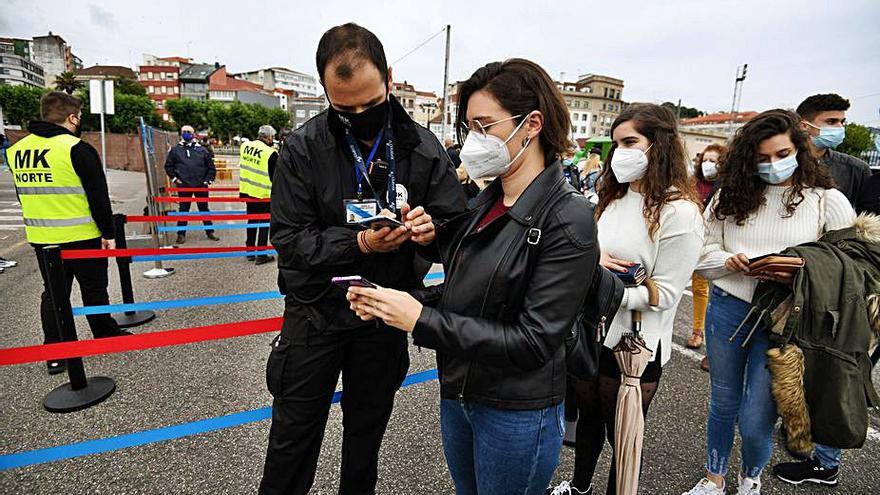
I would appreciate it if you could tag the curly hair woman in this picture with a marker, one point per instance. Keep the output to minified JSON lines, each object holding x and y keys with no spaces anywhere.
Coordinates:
{"x":773,"y":194}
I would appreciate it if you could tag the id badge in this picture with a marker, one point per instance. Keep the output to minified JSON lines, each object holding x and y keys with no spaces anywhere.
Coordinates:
{"x":356,"y":211}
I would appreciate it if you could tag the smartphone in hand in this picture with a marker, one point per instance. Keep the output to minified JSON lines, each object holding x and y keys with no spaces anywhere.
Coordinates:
{"x":353,"y":281}
{"x":379,"y":221}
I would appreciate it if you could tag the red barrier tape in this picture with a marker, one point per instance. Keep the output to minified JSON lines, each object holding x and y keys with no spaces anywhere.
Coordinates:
{"x":190,"y":218}
{"x":230,"y":199}
{"x":111,"y":345}
{"x":81,"y":254}
{"x":202,"y":189}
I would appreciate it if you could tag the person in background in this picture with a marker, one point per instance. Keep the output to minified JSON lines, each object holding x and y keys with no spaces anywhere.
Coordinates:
{"x":470,"y":188}
{"x":591,"y":169}
{"x":257,"y":161}
{"x":823,"y":118}
{"x":500,"y":325}
{"x":648,"y":213}
{"x":705,"y":173}
{"x":453,"y":151}
{"x":66,"y":204}
{"x":4,"y":143}
{"x":189,"y":164}
{"x":773,"y":194}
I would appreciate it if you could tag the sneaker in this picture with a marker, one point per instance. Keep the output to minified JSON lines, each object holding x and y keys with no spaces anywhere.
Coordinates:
{"x":566,"y":488}
{"x":695,"y":341}
{"x":706,"y":487}
{"x":180,"y":239}
{"x":748,"y":486}
{"x":810,"y":471}
{"x":704,"y":364}
{"x":251,"y":258}
{"x":56,"y":367}
{"x":212,"y":237}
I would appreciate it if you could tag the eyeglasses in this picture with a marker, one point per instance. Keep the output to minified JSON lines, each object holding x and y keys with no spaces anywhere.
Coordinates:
{"x":478,"y":126}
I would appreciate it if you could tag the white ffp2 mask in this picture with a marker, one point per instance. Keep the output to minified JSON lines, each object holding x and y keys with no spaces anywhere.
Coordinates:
{"x":629,"y":164}
{"x":487,"y":156}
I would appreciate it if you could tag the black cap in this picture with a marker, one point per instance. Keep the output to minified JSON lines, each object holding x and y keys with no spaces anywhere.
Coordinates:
{"x":596,"y":149}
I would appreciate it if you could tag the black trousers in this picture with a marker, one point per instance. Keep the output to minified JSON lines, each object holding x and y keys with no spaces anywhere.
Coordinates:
{"x":91,"y":274}
{"x":301,"y":374}
{"x":184,"y":207}
{"x":252,"y":239}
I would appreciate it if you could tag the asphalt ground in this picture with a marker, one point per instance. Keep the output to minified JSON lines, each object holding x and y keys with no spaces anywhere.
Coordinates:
{"x":175,"y":385}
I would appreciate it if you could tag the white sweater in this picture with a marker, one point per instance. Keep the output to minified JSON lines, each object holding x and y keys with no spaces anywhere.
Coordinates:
{"x":768,"y":231}
{"x":669,"y":259}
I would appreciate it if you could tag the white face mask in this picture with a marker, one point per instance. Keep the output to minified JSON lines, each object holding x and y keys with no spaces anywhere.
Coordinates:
{"x":629,"y":164}
{"x":486,"y":155}
{"x":710,"y":169}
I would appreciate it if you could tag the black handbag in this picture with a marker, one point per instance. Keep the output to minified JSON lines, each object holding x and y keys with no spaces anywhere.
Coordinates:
{"x":584,"y":343}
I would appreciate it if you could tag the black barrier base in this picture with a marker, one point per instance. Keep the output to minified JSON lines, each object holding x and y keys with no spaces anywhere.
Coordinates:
{"x":64,"y":399}
{"x":136,"y":318}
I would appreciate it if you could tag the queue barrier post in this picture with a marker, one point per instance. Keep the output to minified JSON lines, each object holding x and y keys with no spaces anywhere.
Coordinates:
{"x":127,"y":319}
{"x":80,"y":392}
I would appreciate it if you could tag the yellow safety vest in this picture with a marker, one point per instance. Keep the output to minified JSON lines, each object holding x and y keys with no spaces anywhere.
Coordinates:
{"x":53,"y":201}
{"x":253,"y":162}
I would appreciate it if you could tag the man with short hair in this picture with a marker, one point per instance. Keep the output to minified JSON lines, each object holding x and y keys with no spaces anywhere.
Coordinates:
{"x":824,"y":119}
{"x":191,"y":165}
{"x":363,"y":157}
{"x":256,"y":166}
{"x":64,"y":199}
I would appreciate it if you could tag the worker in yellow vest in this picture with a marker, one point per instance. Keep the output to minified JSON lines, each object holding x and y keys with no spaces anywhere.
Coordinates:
{"x":256,"y":166}
{"x":61,"y":185}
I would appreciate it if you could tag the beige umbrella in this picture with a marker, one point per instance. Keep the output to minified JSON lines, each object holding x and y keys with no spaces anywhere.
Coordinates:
{"x":629,"y":424}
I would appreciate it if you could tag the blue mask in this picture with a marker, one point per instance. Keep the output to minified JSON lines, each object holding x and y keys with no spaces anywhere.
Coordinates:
{"x":186,"y":136}
{"x":778,"y":171}
{"x":829,"y":137}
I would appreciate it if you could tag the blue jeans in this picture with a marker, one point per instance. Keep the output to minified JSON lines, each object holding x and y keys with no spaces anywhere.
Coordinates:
{"x":828,"y":457}
{"x":741,"y":390}
{"x":498,"y":451}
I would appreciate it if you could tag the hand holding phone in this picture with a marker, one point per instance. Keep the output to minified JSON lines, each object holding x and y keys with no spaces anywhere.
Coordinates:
{"x":379,"y":221}
{"x":353,"y":281}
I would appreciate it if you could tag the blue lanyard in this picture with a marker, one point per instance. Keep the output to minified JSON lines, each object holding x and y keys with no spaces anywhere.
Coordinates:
{"x":361,"y":172}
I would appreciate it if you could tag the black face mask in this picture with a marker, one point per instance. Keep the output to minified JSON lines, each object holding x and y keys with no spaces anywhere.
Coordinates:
{"x":365,"y":125}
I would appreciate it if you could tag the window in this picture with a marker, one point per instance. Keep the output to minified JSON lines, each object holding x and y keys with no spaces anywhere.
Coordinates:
{"x":150,"y":76}
{"x":162,"y":76}
{"x":171,"y":76}
{"x":584,"y":117}
{"x":165,"y":117}
{"x":164,"y":90}
{"x":312,"y":113}
{"x":587,"y":105}
{"x":574,"y":115}
{"x":594,"y":120}
{"x":151,"y":90}
{"x":583,"y":130}
{"x":300,"y":114}
{"x":176,"y":89}
{"x":594,"y":128}
{"x":577,"y":103}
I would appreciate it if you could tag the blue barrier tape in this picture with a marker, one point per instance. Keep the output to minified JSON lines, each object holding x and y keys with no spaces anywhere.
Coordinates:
{"x":101,"y":445}
{"x":202,"y":256}
{"x":215,"y":227}
{"x":176,"y":303}
{"x":216,"y":212}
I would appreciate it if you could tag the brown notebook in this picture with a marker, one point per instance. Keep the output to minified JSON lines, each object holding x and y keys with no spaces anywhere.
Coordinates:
{"x":775,"y":263}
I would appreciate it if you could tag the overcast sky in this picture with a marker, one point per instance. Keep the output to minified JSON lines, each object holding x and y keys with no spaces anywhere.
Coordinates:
{"x":663,"y":50}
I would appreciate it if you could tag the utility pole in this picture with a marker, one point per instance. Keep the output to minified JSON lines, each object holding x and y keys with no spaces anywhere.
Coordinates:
{"x":737,"y":96}
{"x":446,"y":84}
{"x":678,"y":111}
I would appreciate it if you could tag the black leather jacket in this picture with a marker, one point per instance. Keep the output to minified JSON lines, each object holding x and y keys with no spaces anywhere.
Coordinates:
{"x":500,"y":325}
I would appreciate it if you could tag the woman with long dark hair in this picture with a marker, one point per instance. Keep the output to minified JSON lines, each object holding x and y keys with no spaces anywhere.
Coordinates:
{"x":518,"y":267}
{"x":772,"y":195}
{"x":648,"y":213}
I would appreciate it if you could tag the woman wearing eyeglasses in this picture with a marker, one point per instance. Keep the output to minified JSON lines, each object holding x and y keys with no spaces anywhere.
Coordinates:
{"x":517,"y":266}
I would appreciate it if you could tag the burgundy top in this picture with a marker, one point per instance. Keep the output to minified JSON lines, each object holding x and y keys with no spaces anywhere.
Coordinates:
{"x":704,"y":189}
{"x":496,"y":211}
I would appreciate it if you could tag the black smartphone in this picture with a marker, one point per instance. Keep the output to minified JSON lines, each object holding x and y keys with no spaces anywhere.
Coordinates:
{"x":353,"y":281}
{"x":379,"y":221}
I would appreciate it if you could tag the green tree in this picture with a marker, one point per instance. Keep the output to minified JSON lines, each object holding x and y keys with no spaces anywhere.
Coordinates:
{"x":66,"y":81}
{"x":279,"y":119}
{"x":20,"y":104}
{"x":128,"y":86}
{"x":188,"y":112}
{"x":127,"y":109}
{"x":858,"y":140}
{"x":686,"y":112}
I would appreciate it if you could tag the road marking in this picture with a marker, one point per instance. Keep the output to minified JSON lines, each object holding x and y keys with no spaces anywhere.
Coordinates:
{"x":17,"y":218}
{"x":4,"y":252}
{"x":12,"y":227}
{"x":11,"y":210}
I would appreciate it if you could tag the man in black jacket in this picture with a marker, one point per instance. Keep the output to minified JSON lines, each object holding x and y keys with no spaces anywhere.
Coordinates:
{"x":824,"y":119}
{"x":362,"y":157}
{"x":189,"y":164}
{"x":54,"y":149}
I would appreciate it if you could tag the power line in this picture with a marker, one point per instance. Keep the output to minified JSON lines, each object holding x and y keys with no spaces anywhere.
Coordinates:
{"x":438,"y":33}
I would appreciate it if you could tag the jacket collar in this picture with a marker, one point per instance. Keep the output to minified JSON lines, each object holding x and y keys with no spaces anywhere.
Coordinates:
{"x":405,"y":133}
{"x":47,"y":129}
{"x":531,"y":199}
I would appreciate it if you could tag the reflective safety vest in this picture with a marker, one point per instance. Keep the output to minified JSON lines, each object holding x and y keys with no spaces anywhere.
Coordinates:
{"x":253,"y":162}
{"x":53,"y":201}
